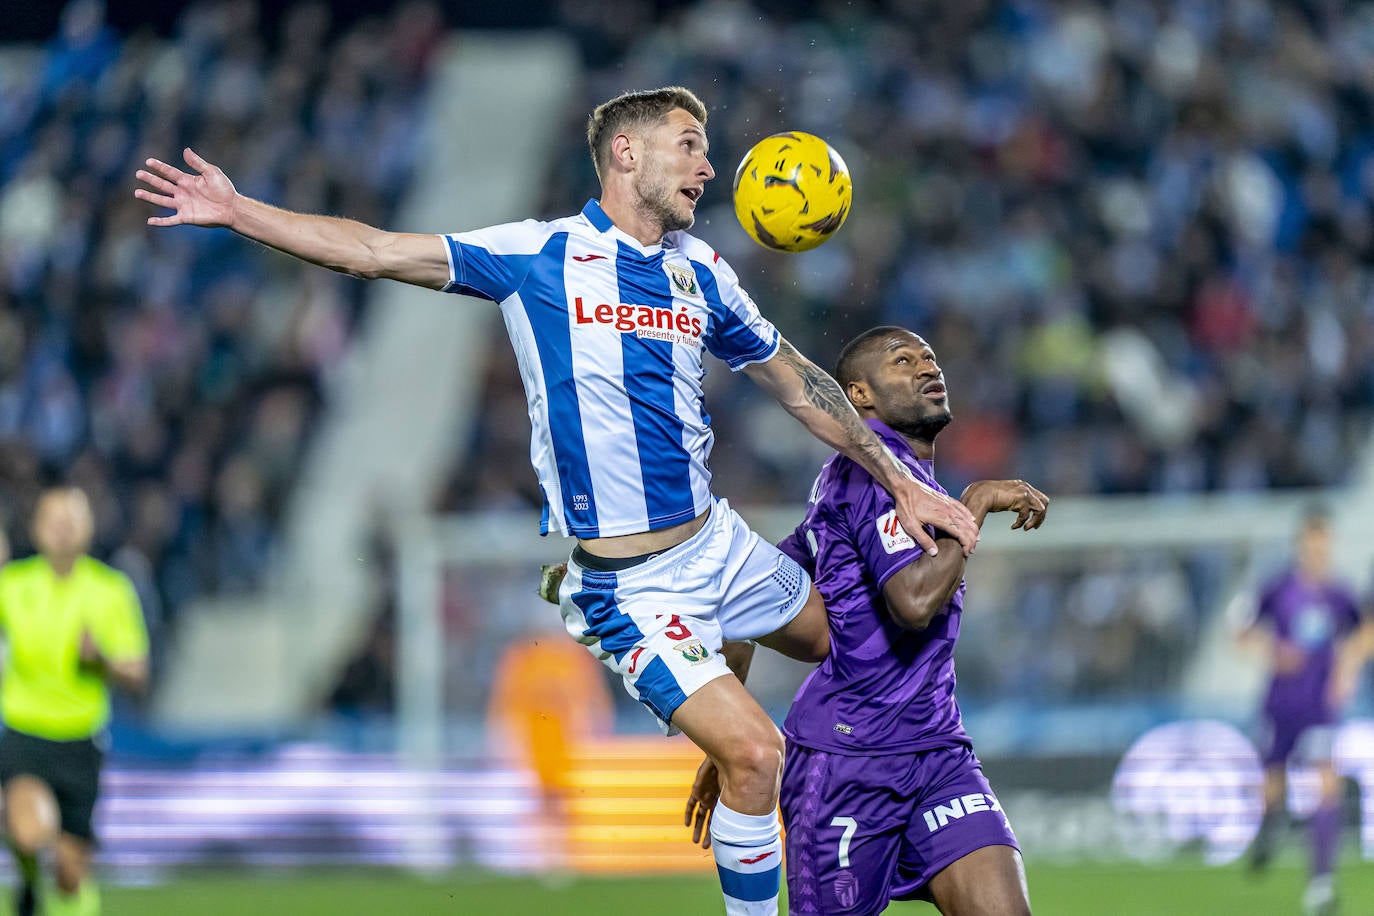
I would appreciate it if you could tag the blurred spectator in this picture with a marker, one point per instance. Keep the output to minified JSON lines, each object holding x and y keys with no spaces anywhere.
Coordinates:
{"x":1139,"y":234}
{"x":181,"y":397}
{"x":1149,"y":225}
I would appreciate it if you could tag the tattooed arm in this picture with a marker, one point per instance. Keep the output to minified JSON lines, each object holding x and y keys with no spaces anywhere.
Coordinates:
{"x":808,"y":393}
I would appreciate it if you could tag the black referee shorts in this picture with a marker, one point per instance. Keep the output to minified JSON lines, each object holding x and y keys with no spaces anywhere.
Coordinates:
{"x":71,"y":768}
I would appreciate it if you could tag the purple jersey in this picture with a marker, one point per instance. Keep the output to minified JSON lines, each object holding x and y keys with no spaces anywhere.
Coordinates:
{"x":882,"y":689}
{"x":1314,"y":617}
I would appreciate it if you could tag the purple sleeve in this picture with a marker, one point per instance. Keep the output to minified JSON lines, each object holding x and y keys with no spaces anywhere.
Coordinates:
{"x":882,"y":542}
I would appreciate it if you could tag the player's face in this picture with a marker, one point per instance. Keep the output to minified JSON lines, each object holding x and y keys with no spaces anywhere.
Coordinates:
{"x":674,"y":171}
{"x":62,"y":524}
{"x":908,"y":388}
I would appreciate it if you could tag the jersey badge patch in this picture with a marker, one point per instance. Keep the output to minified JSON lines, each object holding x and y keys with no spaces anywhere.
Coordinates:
{"x":892,"y":534}
{"x":684,"y":279}
{"x":694,"y":652}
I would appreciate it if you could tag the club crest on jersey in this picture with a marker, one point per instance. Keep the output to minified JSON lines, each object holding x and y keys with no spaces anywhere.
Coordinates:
{"x":684,"y":279}
{"x":694,"y":652}
{"x":893,"y":535}
{"x":647,"y":321}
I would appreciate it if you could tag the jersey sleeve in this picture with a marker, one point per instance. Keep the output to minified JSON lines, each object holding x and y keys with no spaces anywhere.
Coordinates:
{"x":885,"y":546}
{"x":118,"y":629}
{"x":737,"y":333}
{"x":492,"y":262}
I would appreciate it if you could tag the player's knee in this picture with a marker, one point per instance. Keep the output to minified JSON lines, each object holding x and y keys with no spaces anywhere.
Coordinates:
{"x":28,"y":836}
{"x":756,"y":760}
{"x":1016,"y":906}
{"x":69,"y":877}
{"x":1332,"y":785}
{"x":1007,"y":903}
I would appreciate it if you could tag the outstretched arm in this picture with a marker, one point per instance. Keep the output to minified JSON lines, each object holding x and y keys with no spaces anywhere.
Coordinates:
{"x":808,"y":393}
{"x":206,"y":197}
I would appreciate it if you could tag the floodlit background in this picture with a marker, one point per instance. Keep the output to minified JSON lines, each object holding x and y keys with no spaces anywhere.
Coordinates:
{"x":1138,"y":233}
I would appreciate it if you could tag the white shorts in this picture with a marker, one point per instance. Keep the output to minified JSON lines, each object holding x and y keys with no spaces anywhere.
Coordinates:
{"x":660,"y":624}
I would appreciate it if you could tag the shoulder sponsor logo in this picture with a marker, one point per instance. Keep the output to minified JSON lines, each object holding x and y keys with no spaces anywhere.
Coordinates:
{"x":893,"y":535}
{"x":584,"y":258}
{"x":647,"y":321}
{"x":958,"y":807}
{"x":684,"y":279}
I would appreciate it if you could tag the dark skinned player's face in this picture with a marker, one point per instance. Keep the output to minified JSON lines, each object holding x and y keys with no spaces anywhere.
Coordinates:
{"x":907,"y":387}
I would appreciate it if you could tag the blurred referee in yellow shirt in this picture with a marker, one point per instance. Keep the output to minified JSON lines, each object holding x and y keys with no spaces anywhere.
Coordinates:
{"x":72,"y":625}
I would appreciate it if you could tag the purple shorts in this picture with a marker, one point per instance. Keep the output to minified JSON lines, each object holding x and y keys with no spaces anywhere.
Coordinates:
{"x":863,"y":831}
{"x":1309,"y":738}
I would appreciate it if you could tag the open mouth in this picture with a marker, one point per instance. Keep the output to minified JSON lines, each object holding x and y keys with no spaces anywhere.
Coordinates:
{"x":935,"y":391}
{"x":692,"y":194}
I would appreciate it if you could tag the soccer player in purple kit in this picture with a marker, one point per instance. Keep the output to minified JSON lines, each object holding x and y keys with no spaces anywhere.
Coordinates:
{"x":1316,"y":641}
{"x":882,"y":796}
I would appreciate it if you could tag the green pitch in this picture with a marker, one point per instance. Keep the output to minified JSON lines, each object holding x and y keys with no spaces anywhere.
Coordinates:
{"x":1056,"y":890}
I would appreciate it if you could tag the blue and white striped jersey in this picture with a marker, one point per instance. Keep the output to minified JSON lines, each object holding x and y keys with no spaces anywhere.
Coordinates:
{"x":608,"y":335}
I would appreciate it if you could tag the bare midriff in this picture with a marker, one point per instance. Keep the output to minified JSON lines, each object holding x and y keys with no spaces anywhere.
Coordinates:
{"x":633,"y":545}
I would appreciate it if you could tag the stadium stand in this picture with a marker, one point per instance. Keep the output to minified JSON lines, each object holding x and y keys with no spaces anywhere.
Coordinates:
{"x":1146,"y":281}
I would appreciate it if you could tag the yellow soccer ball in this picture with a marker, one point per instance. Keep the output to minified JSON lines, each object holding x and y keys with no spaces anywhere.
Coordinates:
{"x":792,"y":191}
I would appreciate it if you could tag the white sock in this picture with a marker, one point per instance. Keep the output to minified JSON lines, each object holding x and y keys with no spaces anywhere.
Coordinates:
{"x":748,"y":850}
{"x":1321,"y":890}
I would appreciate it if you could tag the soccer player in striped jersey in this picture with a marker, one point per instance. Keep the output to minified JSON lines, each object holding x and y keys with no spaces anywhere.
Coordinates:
{"x":609,"y":311}
{"x":882,"y":794}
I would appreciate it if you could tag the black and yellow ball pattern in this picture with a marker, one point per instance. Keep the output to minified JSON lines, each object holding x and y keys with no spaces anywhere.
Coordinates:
{"x":792,"y":191}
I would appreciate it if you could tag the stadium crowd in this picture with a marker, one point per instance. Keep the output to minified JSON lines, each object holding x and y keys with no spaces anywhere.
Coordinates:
{"x":176,"y":375}
{"x":1139,"y":234}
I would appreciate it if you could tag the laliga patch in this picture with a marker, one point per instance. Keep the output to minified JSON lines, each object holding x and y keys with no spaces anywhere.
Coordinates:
{"x":893,"y":535}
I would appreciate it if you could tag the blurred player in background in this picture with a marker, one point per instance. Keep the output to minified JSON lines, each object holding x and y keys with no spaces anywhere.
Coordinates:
{"x":882,"y":795}
{"x":72,"y":626}
{"x":1316,"y":641}
{"x":608,"y":311}
{"x":548,"y":694}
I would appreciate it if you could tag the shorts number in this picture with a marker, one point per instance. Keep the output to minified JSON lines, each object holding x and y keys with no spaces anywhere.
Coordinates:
{"x":849,"y":825}
{"x":676,"y":629}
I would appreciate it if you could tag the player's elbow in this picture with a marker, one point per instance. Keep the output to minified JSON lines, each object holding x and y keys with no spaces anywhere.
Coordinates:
{"x":132,"y":675}
{"x":912,"y":613}
{"x":365,"y":263}
{"x":368,"y":256}
{"x":362,"y":272}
